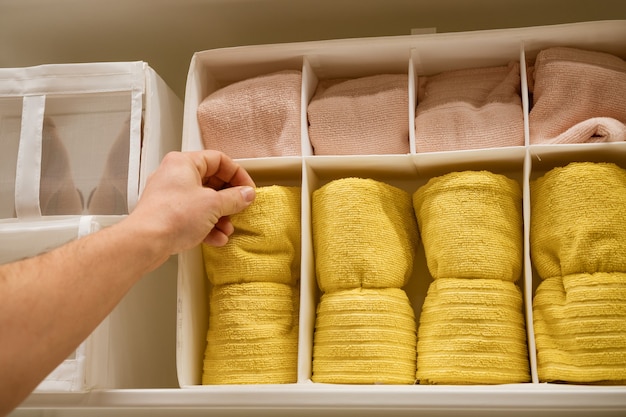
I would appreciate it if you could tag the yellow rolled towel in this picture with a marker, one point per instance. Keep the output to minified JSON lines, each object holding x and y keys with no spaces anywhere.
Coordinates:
{"x":364,"y":336}
{"x":266,"y":243}
{"x":472,"y":331}
{"x":580,"y":328}
{"x":364,"y":235}
{"x":577,"y":221}
{"x":471,"y":225}
{"x":253,"y":334}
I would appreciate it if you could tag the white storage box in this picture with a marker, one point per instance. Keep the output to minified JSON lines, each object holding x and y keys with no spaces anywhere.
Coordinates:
{"x":82,"y":138}
{"x":133,"y":345}
{"x":415,"y":56}
{"x":79,"y":141}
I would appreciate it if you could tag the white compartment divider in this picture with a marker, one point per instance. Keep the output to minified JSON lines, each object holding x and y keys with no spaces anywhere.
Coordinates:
{"x":351,"y":58}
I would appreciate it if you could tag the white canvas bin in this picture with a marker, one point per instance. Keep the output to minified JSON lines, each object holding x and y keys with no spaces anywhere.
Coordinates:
{"x":84,"y":368}
{"x":416,"y":56}
{"x":79,"y":141}
{"x":81,"y":138}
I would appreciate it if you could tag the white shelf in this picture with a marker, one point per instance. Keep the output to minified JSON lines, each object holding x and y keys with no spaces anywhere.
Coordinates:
{"x":313,"y":399}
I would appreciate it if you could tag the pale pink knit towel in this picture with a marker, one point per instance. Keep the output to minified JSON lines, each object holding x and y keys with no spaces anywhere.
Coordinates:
{"x":256,"y":117}
{"x":578,"y":97}
{"x":470,"y":109}
{"x":366,"y":116}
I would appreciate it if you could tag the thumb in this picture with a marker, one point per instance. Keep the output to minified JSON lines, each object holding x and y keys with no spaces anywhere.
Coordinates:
{"x":235,"y":199}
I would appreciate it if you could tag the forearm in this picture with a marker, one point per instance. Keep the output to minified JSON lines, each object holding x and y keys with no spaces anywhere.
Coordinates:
{"x":50,"y":304}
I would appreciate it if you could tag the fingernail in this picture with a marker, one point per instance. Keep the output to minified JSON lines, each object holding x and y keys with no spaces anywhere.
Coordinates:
{"x":248,"y":194}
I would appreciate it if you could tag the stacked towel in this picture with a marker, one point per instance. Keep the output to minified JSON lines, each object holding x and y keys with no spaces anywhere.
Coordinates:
{"x":364,"y":238}
{"x":266,"y":244}
{"x":359,"y":225}
{"x":253,"y":306}
{"x":578,"y":238}
{"x":578,"y":96}
{"x":472,"y":332}
{"x":364,"y":336}
{"x":58,"y":193}
{"x":256,"y":117}
{"x":253,"y":334}
{"x":470,"y":109}
{"x":367,"y":115}
{"x":471,"y":328}
{"x":471,"y":225}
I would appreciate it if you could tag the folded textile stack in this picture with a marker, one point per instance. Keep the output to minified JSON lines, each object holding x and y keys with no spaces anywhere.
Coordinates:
{"x":359,"y":224}
{"x":471,"y":328}
{"x":364,"y":238}
{"x":472,"y":332}
{"x":253,"y":305}
{"x":364,"y":336}
{"x":367,"y":115}
{"x":469,"y":109}
{"x":256,"y":117}
{"x":578,"y":97}
{"x":578,"y":238}
{"x":253,"y":334}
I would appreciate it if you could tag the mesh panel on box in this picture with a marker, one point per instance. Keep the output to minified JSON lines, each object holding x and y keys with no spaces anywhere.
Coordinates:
{"x":85,"y":149}
{"x":10,"y":122}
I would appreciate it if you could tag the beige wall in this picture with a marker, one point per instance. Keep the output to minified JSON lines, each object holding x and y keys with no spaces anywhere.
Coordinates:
{"x":165,"y":33}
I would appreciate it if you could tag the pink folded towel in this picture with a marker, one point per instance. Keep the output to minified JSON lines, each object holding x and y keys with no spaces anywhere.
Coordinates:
{"x":257,"y":117}
{"x":578,"y":97}
{"x":470,"y":109}
{"x":367,"y":115}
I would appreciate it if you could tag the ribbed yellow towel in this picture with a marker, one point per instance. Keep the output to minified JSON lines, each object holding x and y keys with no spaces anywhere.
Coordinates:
{"x":364,"y":336}
{"x":266,"y":243}
{"x":580,"y":328}
{"x":253,"y":334}
{"x":255,"y":117}
{"x":577,"y":221}
{"x":472,"y":331}
{"x":364,"y":235}
{"x":471,"y":225}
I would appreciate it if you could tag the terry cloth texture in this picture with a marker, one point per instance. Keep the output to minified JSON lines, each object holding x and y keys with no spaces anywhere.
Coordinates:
{"x":578,"y":241}
{"x":110,"y":196}
{"x":580,"y":328}
{"x":364,"y":336}
{"x":470,"y":109}
{"x":256,"y":117}
{"x":58,"y":193}
{"x":364,"y":235}
{"x":471,"y":225}
{"x":368,"y":115}
{"x":578,"y":96}
{"x":577,"y":222}
{"x":472,"y":331}
{"x":266,"y":243}
{"x":253,"y":334}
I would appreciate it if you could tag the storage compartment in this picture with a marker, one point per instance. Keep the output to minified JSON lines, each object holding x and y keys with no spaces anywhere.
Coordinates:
{"x":415,"y":56}
{"x":79,"y":141}
{"x":82,"y":138}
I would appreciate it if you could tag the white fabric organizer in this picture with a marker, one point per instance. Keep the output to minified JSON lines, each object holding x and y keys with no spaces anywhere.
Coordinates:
{"x":415,"y":56}
{"x":79,"y":141}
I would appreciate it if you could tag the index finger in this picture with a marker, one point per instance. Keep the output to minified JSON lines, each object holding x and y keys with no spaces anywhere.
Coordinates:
{"x":218,"y":170}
